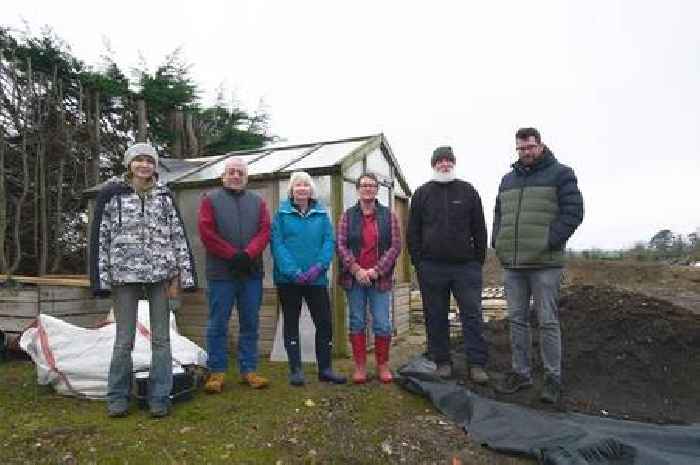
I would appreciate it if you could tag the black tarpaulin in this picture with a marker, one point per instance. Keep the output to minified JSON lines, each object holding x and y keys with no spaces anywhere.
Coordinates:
{"x":553,"y":438}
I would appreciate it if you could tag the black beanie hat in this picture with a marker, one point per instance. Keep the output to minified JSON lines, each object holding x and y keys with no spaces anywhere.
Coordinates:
{"x":441,"y":152}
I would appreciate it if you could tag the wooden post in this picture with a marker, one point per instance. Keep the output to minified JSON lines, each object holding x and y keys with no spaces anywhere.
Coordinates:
{"x":141,"y":120}
{"x":340,"y":321}
{"x":3,"y":205}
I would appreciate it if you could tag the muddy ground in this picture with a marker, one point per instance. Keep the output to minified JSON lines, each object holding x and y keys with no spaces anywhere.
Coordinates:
{"x":625,"y":355}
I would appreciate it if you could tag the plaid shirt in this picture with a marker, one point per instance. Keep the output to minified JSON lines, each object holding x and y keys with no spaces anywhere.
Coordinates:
{"x":385,"y":263}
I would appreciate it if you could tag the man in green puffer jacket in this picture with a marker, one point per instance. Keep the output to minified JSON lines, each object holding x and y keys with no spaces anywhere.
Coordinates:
{"x":539,"y":206}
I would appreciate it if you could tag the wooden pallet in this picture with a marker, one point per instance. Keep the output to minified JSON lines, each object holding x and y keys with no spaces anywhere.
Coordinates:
{"x":22,"y":299}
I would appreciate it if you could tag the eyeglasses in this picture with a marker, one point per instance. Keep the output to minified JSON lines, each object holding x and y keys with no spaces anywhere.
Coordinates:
{"x":523,"y":148}
{"x":368,"y":186}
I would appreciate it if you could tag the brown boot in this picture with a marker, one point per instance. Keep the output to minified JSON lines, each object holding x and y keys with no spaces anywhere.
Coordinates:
{"x":215,"y":383}
{"x":381,"y":352}
{"x":478,"y":375}
{"x":254,"y":380}
{"x":359,"y":354}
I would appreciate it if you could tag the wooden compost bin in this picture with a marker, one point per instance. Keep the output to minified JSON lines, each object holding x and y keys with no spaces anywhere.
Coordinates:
{"x":22,"y":299}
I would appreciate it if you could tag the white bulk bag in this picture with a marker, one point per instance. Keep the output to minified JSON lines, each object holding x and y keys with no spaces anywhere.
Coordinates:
{"x":75,"y":361}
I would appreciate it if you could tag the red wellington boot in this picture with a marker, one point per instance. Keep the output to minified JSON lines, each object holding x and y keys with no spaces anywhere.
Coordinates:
{"x":381,"y":351}
{"x":359,"y":354}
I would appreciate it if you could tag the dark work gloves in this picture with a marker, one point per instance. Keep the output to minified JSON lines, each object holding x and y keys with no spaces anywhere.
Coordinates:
{"x":241,"y":263}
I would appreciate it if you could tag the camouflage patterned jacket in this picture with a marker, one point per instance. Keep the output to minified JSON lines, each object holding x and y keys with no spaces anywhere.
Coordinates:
{"x":138,"y":240}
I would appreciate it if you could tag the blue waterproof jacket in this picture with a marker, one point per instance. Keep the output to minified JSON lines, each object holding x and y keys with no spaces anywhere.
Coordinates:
{"x":300,"y":241}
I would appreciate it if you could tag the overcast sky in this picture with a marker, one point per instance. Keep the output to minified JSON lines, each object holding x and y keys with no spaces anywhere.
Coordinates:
{"x":613,"y":86}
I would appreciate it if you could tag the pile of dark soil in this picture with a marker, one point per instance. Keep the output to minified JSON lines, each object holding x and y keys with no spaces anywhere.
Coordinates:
{"x":625,"y":355}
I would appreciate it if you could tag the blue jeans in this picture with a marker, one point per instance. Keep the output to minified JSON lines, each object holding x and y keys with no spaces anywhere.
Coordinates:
{"x":126,"y":301}
{"x":542,"y":284}
{"x":246,"y":295}
{"x":439,"y":279}
{"x":379,"y":304}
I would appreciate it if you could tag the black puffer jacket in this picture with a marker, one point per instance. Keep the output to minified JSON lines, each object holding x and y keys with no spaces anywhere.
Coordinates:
{"x":446,"y":223}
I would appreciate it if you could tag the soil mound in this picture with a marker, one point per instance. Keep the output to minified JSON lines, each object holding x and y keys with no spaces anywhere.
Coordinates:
{"x":625,"y":355}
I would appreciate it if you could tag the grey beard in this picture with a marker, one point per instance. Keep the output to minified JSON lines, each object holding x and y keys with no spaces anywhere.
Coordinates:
{"x":439,"y":176}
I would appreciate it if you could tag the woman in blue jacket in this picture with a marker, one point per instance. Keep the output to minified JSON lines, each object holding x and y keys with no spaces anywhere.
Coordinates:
{"x":302,"y":248}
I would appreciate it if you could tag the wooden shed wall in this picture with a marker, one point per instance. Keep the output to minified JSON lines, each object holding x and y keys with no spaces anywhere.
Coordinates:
{"x":192,"y":320}
{"x":402,"y":308}
{"x":76,"y":305}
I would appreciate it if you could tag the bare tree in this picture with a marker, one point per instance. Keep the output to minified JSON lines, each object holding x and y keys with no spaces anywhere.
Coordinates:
{"x":3,"y":205}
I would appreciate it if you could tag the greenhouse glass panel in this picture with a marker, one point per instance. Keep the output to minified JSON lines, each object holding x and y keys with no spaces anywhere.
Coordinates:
{"x":323,"y":192}
{"x":215,"y":170}
{"x":349,"y":195}
{"x":354,"y":171}
{"x":383,"y":196}
{"x":283,"y":185}
{"x":274,"y":161}
{"x":171,"y":168}
{"x":377,"y":163}
{"x":398,"y":190}
{"x":326,"y":155}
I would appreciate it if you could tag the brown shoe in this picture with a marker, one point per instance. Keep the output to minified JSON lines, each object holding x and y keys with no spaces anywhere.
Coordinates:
{"x":478,"y":375}
{"x":215,"y":383}
{"x":254,"y":380}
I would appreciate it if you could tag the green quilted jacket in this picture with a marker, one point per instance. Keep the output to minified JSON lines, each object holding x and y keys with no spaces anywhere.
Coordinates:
{"x":537,"y":211}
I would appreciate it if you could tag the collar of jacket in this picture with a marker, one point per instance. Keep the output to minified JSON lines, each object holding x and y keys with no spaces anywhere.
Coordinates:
{"x":315,"y":207}
{"x":547,"y":159}
{"x":438,"y":183}
{"x":158,"y":187}
{"x":377,"y":205}
{"x":234,"y":193}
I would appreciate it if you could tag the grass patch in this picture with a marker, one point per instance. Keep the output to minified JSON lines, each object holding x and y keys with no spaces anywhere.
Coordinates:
{"x":346,"y":424}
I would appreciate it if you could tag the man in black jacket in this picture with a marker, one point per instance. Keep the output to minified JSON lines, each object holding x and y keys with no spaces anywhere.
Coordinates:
{"x":447,"y":242}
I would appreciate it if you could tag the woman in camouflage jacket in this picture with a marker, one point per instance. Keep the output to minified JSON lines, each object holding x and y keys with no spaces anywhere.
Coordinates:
{"x":139,"y":249}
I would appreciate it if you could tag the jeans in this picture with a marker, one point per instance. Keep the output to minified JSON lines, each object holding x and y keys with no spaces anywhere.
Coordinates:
{"x":246,"y":295}
{"x":379,"y":305}
{"x":439,"y":279}
{"x":318,"y":302}
{"x":126,"y":300}
{"x":543,"y":286}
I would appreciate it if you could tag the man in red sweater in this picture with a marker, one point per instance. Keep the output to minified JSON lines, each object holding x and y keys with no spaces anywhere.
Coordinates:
{"x":234,"y":226}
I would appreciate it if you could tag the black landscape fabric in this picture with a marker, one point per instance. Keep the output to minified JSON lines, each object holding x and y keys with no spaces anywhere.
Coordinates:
{"x":553,"y":438}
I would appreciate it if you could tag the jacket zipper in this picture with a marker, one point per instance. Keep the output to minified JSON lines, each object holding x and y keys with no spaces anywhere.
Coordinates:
{"x":517,"y":221}
{"x":376,"y":231}
{"x":447,"y":210}
{"x":238,"y":215}
{"x":144,"y":229}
